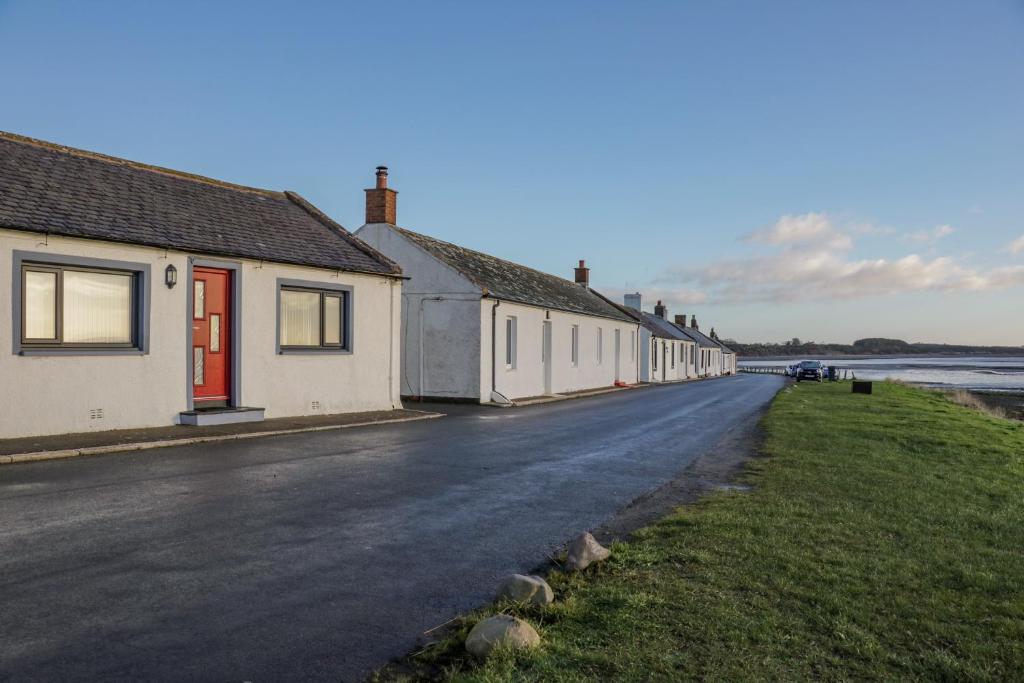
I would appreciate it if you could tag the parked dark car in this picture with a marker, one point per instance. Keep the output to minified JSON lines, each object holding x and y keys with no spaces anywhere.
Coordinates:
{"x":810,"y":369}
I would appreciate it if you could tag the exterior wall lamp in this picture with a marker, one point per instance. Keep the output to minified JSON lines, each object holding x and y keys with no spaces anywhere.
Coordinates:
{"x":170,"y":276}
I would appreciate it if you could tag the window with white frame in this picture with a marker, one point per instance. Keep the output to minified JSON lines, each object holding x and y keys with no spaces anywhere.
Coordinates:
{"x":673,"y":366}
{"x":71,"y":307}
{"x":654,"y":354}
{"x":511,"y":333}
{"x":600,"y":345}
{"x":575,"y":345}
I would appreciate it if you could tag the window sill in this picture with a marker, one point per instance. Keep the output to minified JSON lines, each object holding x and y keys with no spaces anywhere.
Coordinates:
{"x":313,"y":352}
{"x":81,"y":352}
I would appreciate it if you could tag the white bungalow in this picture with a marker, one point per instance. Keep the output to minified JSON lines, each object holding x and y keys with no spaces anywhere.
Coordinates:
{"x":482,"y":329}
{"x":142,"y":297}
{"x":667,"y":354}
{"x":709,"y":352}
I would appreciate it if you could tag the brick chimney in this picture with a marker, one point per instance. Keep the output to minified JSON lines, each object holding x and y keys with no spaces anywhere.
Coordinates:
{"x":633,"y":301}
{"x":583,"y":274}
{"x":659,"y":310}
{"x":693,"y":322}
{"x":381,"y":201}
{"x":681,"y":320}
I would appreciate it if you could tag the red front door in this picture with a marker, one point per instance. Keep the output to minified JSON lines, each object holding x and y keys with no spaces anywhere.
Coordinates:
{"x":211,"y":337}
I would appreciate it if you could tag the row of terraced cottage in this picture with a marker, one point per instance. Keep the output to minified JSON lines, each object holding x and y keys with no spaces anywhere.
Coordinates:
{"x":142,"y":297}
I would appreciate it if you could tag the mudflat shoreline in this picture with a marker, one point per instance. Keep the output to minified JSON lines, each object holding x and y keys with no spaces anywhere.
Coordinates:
{"x":1012,"y":403}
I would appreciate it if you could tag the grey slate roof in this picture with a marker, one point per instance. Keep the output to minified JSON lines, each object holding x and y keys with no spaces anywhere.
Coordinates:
{"x":660,"y":327}
{"x":702,"y":339}
{"x":509,"y":281}
{"x":58,"y":190}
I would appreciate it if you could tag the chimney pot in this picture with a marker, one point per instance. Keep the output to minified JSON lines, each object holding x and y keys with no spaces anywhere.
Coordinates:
{"x":681,"y":320}
{"x":583,"y":274}
{"x":381,"y":201}
{"x":659,"y":310}
{"x":693,"y":322}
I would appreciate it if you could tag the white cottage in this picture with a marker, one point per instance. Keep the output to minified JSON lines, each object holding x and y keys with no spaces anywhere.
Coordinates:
{"x":482,"y":329}
{"x":709,"y":352}
{"x":141,"y":296}
{"x":667,"y":354}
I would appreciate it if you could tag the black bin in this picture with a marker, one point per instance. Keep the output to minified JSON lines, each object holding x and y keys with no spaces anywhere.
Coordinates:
{"x":860,"y":387}
{"x":833,"y":373}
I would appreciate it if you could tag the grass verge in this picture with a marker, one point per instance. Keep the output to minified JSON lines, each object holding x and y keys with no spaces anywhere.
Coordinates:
{"x":884,"y":538}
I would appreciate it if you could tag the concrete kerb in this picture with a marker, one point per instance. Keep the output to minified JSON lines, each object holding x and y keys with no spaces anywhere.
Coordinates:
{"x":566,"y":397}
{"x":166,"y":443}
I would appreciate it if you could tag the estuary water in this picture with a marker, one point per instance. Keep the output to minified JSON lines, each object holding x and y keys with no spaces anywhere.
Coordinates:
{"x":980,"y":373}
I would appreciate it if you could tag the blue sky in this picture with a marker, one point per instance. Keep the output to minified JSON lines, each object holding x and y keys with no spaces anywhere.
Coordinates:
{"x":821,"y":170}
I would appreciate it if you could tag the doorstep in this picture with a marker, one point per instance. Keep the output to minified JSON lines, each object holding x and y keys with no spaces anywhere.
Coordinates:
{"x":220,"y":416}
{"x":33,"y":448}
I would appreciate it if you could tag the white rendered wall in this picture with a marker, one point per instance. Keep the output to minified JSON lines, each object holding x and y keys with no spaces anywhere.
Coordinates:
{"x":56,"y":394}
{"x":527,"y":378}
{"x":645,"y":354}
{"x":440,"y":329}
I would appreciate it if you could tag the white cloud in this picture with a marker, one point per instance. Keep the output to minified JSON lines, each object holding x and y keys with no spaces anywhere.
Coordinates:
{"x":810,"y":261}
{"x":808,"y":228}
{"x":933,"y":235}
{"x":1016,"y":246}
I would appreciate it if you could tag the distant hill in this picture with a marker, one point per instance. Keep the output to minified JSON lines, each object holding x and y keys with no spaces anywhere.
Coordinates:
{"x":876,"y":346}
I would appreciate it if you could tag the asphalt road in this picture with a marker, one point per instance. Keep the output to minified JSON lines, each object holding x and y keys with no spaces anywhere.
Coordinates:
{"x":323,"y":555}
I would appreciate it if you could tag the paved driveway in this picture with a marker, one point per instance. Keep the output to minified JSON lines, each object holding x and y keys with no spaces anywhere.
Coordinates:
{"x":320,"y":555}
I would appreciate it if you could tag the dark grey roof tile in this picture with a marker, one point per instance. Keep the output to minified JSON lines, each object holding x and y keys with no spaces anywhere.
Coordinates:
{"x":63,"y":191}
{"x":510,"y":281}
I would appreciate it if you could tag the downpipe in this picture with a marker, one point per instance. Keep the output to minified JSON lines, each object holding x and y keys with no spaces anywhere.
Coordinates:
{"x":496,"y":396}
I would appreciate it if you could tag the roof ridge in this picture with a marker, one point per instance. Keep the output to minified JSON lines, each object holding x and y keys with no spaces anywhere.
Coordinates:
{"x":107,"y":158}
{"x":339,"y":229}
{"x":496,"y":258}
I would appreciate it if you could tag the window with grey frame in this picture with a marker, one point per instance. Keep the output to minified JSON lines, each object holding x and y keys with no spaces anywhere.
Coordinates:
{"x":314,"y":319}
{"x":79,"y":308}
{"x":511,"y":342}
{"x":575,"y":357}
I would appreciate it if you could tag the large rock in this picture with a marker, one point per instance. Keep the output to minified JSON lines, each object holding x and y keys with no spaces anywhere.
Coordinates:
{"x":584,"y":551}
{"x":522,"y":588}
{"x":500,"y":631}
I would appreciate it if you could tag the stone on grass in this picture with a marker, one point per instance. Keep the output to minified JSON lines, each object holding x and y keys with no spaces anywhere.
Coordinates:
{"x":584,"y":551}
{"x":500,"y":631}
{"x":532,"y":589}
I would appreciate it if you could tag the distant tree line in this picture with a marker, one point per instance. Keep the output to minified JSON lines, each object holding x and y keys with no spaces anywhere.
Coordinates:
{"x":875,"y":346}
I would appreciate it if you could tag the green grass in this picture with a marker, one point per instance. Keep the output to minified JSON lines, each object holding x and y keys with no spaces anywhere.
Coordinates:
{"x":884,"y":538}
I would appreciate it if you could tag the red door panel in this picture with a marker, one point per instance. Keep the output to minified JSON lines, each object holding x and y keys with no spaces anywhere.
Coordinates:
{"x":211,"y":336}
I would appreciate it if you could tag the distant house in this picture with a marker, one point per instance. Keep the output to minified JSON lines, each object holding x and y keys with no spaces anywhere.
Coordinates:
{"x":141,"y":296}
{"x":479,"y":328}
{"x":728,"y":355}
{"x":667,"y":354}
{"x":709,"y":352}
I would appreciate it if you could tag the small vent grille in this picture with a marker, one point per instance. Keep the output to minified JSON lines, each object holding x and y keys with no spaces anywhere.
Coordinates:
{"x":315,"y":405}
{"x":96,"y":413}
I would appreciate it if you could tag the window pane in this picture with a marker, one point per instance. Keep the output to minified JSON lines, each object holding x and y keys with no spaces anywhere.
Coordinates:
{"x":510,"y":342}
{"x":214,"y":333}
{"x":97,"y":308}
{"x":40,"y":305}
{"x":332,"y":320}
{"x":199,"y":299}
{"x":300,"y":318}
{"x":198,"y":366}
